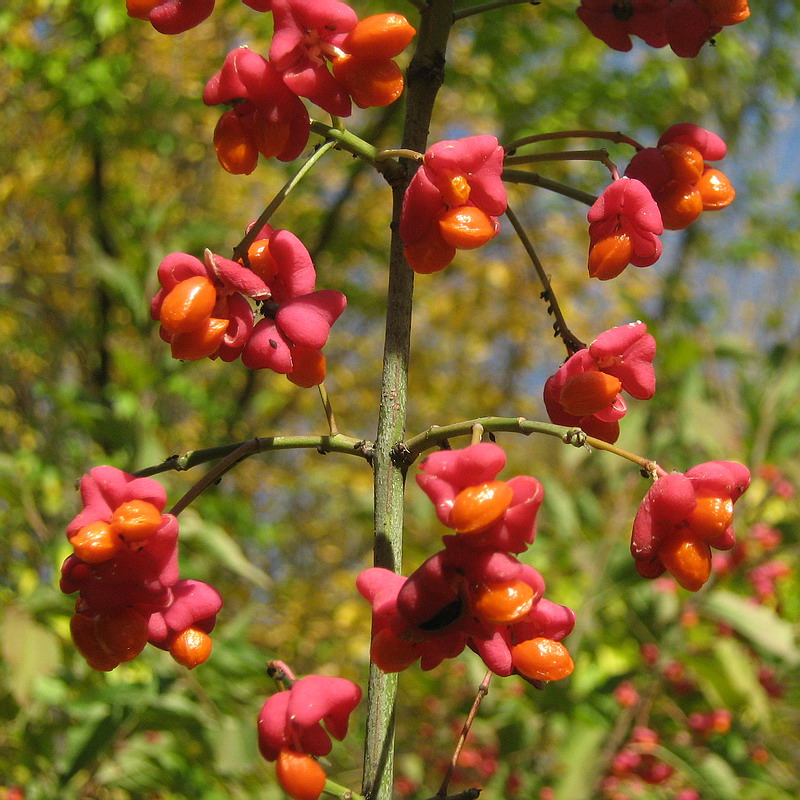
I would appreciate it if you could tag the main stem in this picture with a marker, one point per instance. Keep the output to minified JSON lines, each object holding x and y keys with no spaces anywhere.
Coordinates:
{"x":423,"y":79}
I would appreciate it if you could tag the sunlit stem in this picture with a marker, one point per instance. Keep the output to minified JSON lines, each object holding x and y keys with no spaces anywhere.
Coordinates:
{"x":611,"y":136}
{"x":483,"y":690}
{"x":399,"y":152}
{"x":476,"y":434}
{"x":571,"y":342}
{"x":326,"y":404}
{"x":534,"y":179}
{"x":425,"y":75}
{"x":437,"y":434}
{"x":232,"y":454}
{"x":599,"y":154}
{"x":647,"y":465}
{"x":342,"y":792}
{"x":343,"y":139}
{"x":240,"y":251}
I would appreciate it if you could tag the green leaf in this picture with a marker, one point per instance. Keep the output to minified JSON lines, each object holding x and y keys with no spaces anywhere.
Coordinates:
{"x":761,"y":625}
{"x":580,"y":752}
{"x":30,"y":650}
{"x":216,"y":542}
{"x":95,"y":745}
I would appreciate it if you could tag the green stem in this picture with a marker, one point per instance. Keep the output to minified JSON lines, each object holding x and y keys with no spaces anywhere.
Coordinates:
{"x":437,"y":434}
{"x":391,"y":169}
{"x":534,"y":179}
{"x":424,"y":77}
{"x":240,"y":251}
{"x":612,"y":136}
{"x":337,"y":443}
{"x":342,"y":792}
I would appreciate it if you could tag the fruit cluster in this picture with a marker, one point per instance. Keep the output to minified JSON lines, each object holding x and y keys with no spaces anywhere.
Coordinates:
{"x":267,"y":116}
{"x":453,"y":202}
{"x":204,"y":312}
{"x":473,"y":593}
{"x":684,"y":25}
{"x":585,"y":390}
{"x":291,"y":733}
{"x":624,"y":226}
{"x":667,"y":186}
{"x":678,"y":177}
{"x":683,"y":516}
{"x":125,"y":569}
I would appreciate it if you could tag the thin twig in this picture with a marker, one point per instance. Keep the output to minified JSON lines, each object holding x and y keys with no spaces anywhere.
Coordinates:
{"x":534,"y":179}
{"x":479,"y":9}
{"x":612,"y":136}
{"x":240,"y":251}
{"x":575,"y":437}
{"x":262,"y":444}
{"x":399,"y":152}
{"x":326,"y":404}
{"x":212,"y":476}
{"x":599,"y":154}
{"x":483,"y":690}
{"x":571,"y":342}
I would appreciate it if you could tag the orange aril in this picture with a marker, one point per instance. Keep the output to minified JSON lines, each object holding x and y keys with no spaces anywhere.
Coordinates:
{"x":308,"y":367}
{"x":122,"y":633}
{"x":140,"y":9}
{"x":84,"y":636}
{"x":687,"y":558}
{"x":188,"y":305}
{"x":477,"y":507}
{"x":299,"y":775}
{"x":199,"y":343}
{"x":455,"y":190}
{"x":502,"y":604}
{"x":191,"y":648}
{"x":680,"y":206}
{"x":261,"y":260}
{"x":136,"y":520}
{"x":685,"y":162}
{"x":390,"y":653}
{"x":608,"y":257}
{"x":725,"y":12}
{"x":379,"y":37}
{"x":96,"y":542}
{"x":467,"y":227}
{"x":236,"y":151}
{"x":429,"y":254}
{"x":269,"y":137}
{"x":715,"y":190}
{"x":542,"y":659}
{"x":711,"y":516}
{"x":589,"y":392}
{"x":371,"y":84}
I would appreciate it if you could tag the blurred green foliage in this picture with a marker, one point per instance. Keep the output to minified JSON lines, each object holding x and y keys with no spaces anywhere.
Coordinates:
{"x":108,"y":166}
